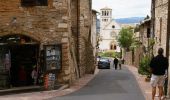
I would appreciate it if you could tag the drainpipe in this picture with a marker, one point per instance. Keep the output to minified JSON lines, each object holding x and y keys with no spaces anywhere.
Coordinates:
{"x":168,"y":31}
{"x":78,"y":33}
{"x":153,"y":18}
{"x":153,"y":23}
{"x":167,"y":45}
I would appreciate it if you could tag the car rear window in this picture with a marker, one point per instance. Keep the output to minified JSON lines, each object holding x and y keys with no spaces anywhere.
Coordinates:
{"x":104,"y":60}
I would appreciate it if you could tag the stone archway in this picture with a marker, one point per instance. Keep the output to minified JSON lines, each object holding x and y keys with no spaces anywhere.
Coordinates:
{"x":18,"y":39}
{"x":113,"y":46}
{"x":18,"y":51}
{"x":23,"y":34}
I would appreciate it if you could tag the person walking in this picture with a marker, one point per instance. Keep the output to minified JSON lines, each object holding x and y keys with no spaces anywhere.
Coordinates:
{"x":115,"y":63}
{"x":120,"y":63}
{"x":158,"y":65}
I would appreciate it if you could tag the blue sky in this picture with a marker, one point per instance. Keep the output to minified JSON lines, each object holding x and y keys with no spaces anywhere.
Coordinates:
{"x":125,"y":8}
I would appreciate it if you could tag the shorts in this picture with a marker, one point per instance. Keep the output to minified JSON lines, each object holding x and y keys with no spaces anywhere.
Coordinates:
{"x":157,"y":80}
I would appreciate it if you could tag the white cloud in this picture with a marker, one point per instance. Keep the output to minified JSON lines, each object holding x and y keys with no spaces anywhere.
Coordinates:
{"x":125,"y":8}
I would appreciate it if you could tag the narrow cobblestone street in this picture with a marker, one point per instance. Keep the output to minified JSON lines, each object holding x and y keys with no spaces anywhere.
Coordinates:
{"x":109,"y":85}
{"x":105,"y":84}
{"x":56,"y":49}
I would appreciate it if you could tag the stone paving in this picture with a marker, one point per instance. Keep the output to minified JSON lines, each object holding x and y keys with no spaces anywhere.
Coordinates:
{"x":108,"y":84}
{"x":145,"y":87}
{"x":50,"y":94}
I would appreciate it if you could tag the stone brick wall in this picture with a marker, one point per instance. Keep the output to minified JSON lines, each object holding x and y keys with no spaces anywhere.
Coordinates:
{"x":58,"y":23}
{"x":161,"y":15}
{"x":47,"y":24}
{"x":128,"y":58}
{"x":86,"y":53}
{"x":143,"y":32}
{"x":41,"y":23}
{"x":94,"y":34}
{"x":161,"y":29}
{"x":138,"y":54}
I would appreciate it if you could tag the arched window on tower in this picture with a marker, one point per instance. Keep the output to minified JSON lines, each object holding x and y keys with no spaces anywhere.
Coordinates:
{"x":107,"y":13}
{"x":115,"y":47}
{"x":102,"y":13}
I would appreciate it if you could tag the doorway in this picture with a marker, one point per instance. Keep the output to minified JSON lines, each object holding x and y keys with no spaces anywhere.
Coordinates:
{"x":19,"y":55}
{"x":23,"y":61}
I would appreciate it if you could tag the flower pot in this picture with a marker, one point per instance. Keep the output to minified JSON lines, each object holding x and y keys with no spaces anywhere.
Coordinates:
{"x":147,"y":79}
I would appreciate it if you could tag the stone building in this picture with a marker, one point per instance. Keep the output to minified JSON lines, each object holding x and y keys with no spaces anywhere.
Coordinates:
{"x":109,"y":30}
{"x":144,"y":32}
{"x":160,"y":23}
{"x":143,"y":37}
{"x":94,"y":33}
{"x":86,"y":65}
{"x":160,"y":27}
{"x":51,"y":36}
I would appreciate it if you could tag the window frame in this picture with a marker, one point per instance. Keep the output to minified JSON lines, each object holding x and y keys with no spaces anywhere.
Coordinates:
{"x":30,"y":3}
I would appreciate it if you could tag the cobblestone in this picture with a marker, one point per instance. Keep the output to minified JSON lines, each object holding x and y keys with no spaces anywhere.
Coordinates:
{"x":145,"y":86}
{"x":50,"y":94}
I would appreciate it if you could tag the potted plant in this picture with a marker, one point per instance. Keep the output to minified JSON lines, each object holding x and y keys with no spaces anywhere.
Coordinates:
{"x":144,"y":68}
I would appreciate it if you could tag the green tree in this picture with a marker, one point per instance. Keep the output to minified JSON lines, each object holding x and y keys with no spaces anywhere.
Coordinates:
{"x":109,"y":54}
{"x":125,"y":38}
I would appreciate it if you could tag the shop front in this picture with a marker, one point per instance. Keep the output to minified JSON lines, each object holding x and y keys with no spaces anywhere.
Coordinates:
{"x":52,"y":65}
{"x":18,"y":58}
{"x":23,"y":63}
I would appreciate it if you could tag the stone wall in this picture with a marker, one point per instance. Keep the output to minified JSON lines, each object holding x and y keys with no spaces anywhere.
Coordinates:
{"x":138,"y":54}
{"x":128,"y":58}
{"x":94,"y":34}
{"x":47,"y":24}
{"x":86,"y":53}
{"x":160,"y":27}
{"x":143,"y":32}
{"x":161,"y":15}
{"x":63,"y":22}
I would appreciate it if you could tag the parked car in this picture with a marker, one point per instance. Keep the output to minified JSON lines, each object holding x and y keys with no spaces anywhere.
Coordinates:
{"x":104,"y":63}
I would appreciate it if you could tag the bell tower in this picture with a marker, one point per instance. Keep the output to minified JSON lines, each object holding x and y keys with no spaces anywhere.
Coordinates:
{"x":106,"y":16}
